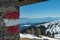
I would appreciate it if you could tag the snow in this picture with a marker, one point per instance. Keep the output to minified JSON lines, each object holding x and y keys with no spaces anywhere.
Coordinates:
{"x":54,"y":28}
{"x":28,"y":36}
{"x":27,"y":25}
{"x":37,"y":25}
{"x":46,"y":24}
{"x":57,"y":36}
{"x":44,"y":37}
{"x":32,"y":36}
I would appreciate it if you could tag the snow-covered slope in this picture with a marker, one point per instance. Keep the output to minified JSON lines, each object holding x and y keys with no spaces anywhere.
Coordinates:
{"x":28,"y":36}
{"x":35,"y":37}
{"x":54,"y":28}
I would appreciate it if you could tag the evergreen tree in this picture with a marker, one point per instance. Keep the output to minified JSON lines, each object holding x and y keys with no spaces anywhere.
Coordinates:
{"x":37,"y":31}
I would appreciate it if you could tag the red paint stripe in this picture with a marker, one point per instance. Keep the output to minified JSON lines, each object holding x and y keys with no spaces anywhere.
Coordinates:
{"x":12,"y":29}
{"x":11,"y":15}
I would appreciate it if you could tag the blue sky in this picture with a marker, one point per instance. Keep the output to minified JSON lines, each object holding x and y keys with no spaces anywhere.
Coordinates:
{"x":49,"y":8}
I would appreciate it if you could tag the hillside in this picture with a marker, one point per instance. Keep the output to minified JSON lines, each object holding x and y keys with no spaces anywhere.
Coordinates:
{"x":51,"y":29}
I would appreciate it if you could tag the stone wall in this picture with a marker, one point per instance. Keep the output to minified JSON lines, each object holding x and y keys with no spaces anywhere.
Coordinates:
{"x":5,"y":6}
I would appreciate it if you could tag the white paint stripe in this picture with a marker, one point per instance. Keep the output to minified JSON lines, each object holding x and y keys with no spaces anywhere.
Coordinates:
{"x":11,"y":22}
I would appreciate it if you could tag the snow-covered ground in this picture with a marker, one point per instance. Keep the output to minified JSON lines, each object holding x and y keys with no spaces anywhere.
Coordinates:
{"x":57,"y":36}
{"x":44,"y":37}
{"x":28,"y":36}
{"x":32,"y":36}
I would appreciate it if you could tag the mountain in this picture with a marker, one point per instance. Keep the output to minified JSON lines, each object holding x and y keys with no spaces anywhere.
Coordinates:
{"x":37,"y":20}
{"x":54,"y":28}
{"x":50,"y":28}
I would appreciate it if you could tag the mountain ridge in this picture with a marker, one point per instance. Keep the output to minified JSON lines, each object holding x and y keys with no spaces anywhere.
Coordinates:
{"x":38,"y":20}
